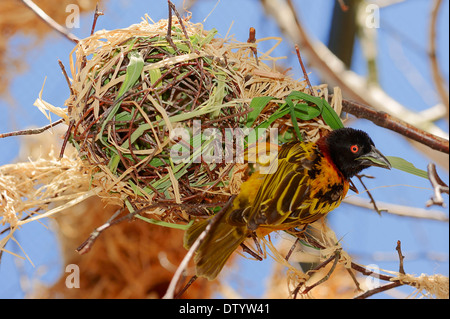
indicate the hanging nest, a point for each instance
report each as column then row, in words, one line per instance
column 134, row 89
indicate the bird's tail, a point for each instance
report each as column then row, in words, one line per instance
column 217, row 246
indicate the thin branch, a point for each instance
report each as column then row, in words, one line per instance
column 399, row 210
column 52, row 23
column 371, row 273
column 395, row 124
column 379, row 289
column 63, row 69
column 400, row 257
column 305, row 74
column 332, row 69
column 436, row 74
column 96, row 15
column 170, row 293
column 31, row 131
column 393, row 281
column 66, row 138
column 372, row 200
column 336, row 256
column 252, row 39
column 439, row 187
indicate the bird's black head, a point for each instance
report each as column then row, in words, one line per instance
column 352, row 151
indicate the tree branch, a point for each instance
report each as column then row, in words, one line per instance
column 435, row 71
column 400, row 210
column 52, row 23
column 393, row 123
column 439, row 187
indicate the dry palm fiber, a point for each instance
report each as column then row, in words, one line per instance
column 17, row 18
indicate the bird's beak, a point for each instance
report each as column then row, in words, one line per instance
column 374, row 158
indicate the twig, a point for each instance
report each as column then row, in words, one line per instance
column 169, row 28
column 437, row 77
column 355, row 281
column 305, row 74
column 88, row 243
column 252, row 39
column 335, row 257
column 182, row 291
column 399, row 210
column 439, row 187
column 173, row 8
column 292, row 249
column 372, row 200
column 52, row 23
column 176, row 277
column 400, row 257
column 63, row 69
column 394, row 282
column 383, row 119
column 66, row 138
column 334, row 71
column 96, row 15
column 31, row 131
column 379, row 289
column 371, row 273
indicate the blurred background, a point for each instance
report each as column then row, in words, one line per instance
column 394, row 55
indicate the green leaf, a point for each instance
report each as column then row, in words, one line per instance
column 134, row 69
column 113, row 163
column 155, row 75
column 403, row 165
column 330, row 116
column 165, row 224
column 297, row 95
column 306, row 112
column 275, row 116
column 211, row 34
column 158, row 222
column 294, row 118
column 257, row 104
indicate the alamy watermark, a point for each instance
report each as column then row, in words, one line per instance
column 73, row 18
column 230, row 145
column 73, row 277
column 372, row 20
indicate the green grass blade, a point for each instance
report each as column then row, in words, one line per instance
column 257, row 104
column 330, row 116
column 133, row 72
column 134, row 69
column 403, row 165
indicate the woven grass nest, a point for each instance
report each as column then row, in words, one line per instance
column 132, row 91
column 134, row 88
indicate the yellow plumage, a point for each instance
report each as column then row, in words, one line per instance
column 305, row 187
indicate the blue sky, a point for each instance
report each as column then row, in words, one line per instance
column 363, row 232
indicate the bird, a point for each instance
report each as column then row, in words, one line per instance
column 311, row 179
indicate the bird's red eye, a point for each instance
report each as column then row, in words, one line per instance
column 354, row 148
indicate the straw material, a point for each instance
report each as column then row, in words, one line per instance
column 127, row 137
column 108, row 169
